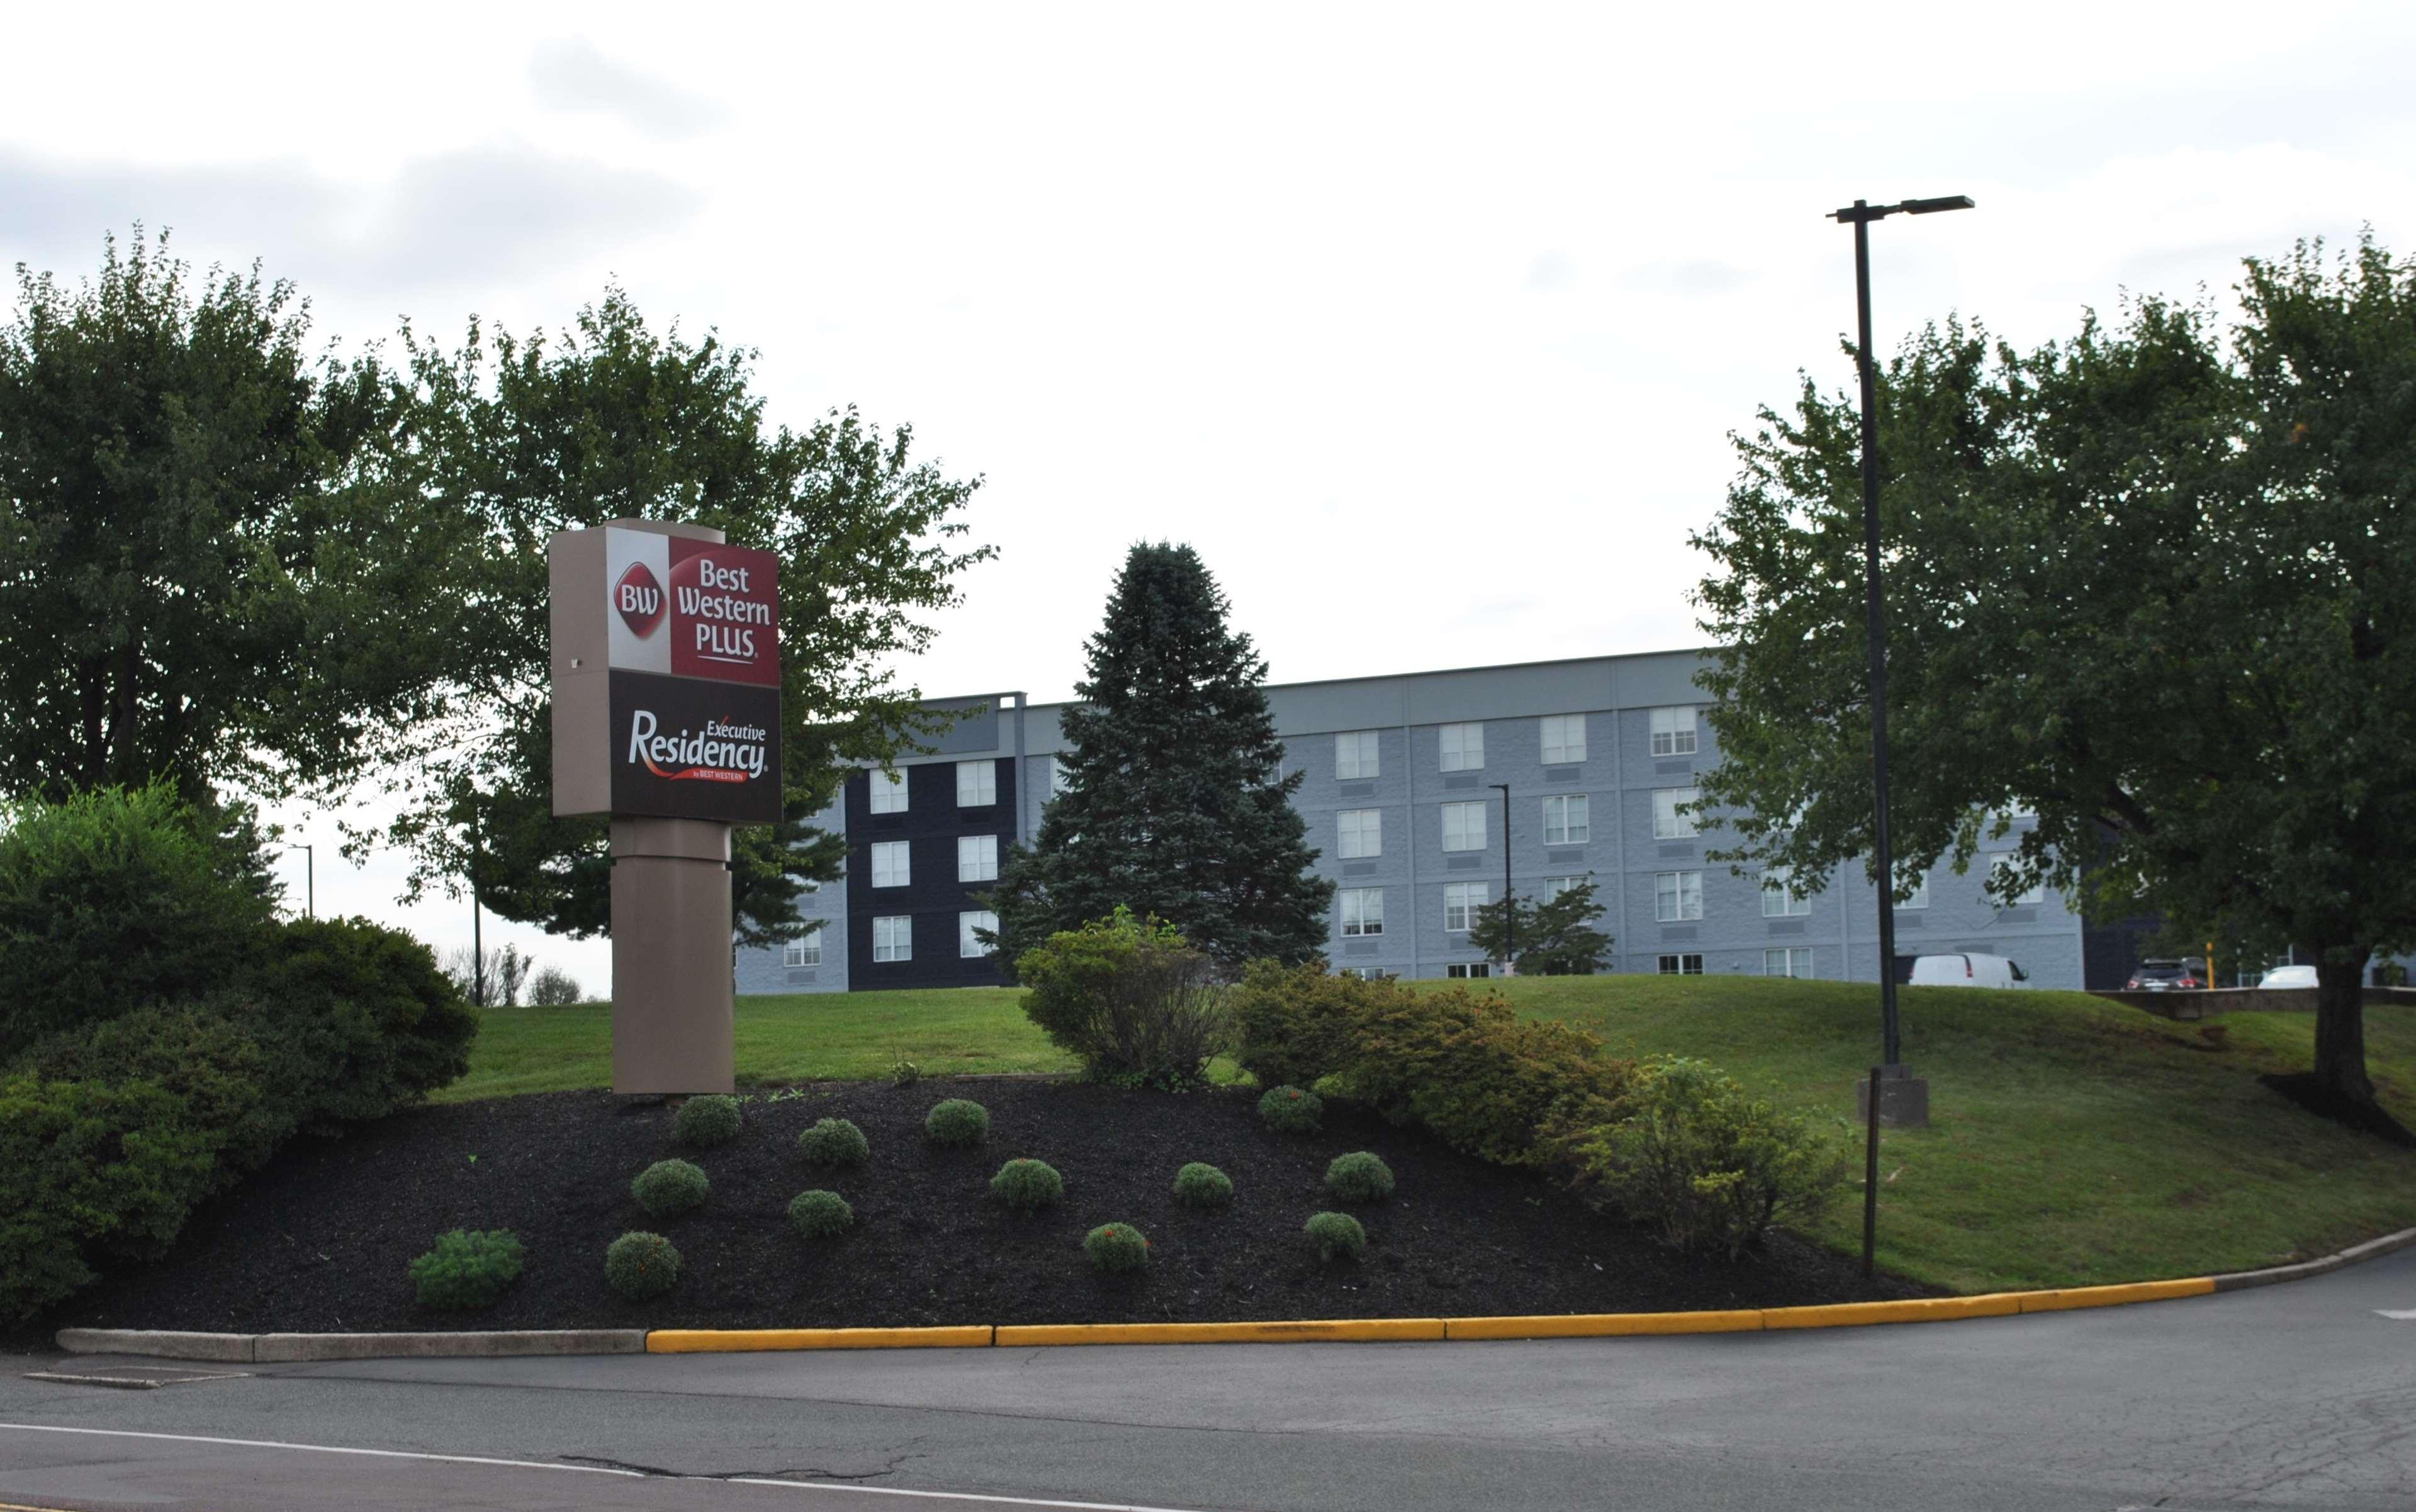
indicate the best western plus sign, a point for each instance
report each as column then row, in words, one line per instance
column 692, row 609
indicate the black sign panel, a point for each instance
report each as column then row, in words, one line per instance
column 686, row 748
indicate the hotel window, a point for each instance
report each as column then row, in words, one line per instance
column 1463, row 748
column 976, row 858
column 1796, row 960
column 1673, row 731
column 977, row 784
column 1779, row 898
column 893, row 938
column 1363, row 911
column 2002, row 864
column 1686, row 966
column 1463, row 826
column 891, row 865
column 1460, row 901
column 1460, row 970
column 1668, row 824
column 1555, row 887
column 1355, row 755
column 1566, row 820
column 1362, row 832
column 889, row 792
column 1920, row 898
column 969, row 945
column 1677, row 896
column 1564, row 739
column 804, row 952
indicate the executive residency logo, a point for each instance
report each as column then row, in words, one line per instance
column 639, row 599
column 719, row 751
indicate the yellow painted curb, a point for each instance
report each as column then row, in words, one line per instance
column 1353, row 1330
column 1918, row 1310
column 2108, row 1296
column 1603, row 1324
column 732, row 1341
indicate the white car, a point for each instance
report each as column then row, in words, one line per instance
column 1967, row 971
column 2288, row 976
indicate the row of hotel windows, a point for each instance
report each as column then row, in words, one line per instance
column 1794, row 961
column 893, row 939
column 1461, row 746
column 1568, row 820
column 976, row 787
column 892, row 863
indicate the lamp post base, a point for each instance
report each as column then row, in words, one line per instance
column 1903, row 1098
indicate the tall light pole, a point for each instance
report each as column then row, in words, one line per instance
column 1509, row 905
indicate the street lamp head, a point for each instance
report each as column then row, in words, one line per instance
column 1949, row 201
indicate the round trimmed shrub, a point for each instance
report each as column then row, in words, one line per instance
column 1290, row 1111
column 467, row 1270
column 818, row 1215
column 670, row 1186
column 639, row 1265
column 1116, row 1247
column 1027, row 1185
column 958, row 1124
column 702, row 1123
column 1201, row 1184
column 835, row 1142
column 1359, row 1178
column 1336, row 1236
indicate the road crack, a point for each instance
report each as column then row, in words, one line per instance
column 784, row 1473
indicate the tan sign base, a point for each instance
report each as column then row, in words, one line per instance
column 672, row 984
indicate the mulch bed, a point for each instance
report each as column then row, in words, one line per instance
column 319, row 1240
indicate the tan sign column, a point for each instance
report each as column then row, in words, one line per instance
column 666, row 716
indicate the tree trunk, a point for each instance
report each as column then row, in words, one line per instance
column 2340, row 1025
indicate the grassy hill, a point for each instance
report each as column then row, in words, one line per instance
column 2072, row 1141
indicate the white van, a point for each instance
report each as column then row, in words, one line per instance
column 1967, row 971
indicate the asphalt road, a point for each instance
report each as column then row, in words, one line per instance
column 2300, row 1395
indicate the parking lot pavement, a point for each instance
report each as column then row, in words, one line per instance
column 2291, row 1395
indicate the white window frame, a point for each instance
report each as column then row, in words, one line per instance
column 900, row 943
column 1554, row 887
column 1784, row 957
column 1920, row 898
column 795, row 954
column 1359, row 833
column 1672, row 902
column 2031, row 899
column 1779, row 898
column 1676, row 965
column 976, row 858
column 892, row 863
column 888, row 790
column 1460, row 901
column 1667, row 822
column 1464, row 822
column 1357, row 756
column 1564, row 733
column 1461, row 746
column 969, row 948
column 1362, row 912
column 977, row 784
column 1673, row 730
column 1575, row 820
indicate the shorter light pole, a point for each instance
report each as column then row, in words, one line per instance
column 309, row 881
column 1509, row 903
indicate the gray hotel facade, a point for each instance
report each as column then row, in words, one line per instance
column 1400, row 800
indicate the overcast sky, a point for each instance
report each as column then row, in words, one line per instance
column 1425, row 325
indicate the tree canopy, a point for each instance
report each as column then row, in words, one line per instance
column 1173, row 804
column 1555, row 936
column 2151, row 581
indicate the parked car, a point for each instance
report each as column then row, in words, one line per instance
column 2288, row 976
column 1967, row 971
column 2187, row 972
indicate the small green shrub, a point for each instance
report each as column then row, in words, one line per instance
column 1130, row 997
column 1359, row 1178
column 958, row 1124
column 702, row 1123
column 1336, row 1236
column 1200, row 1185
column 1027, row 1185
column 467, row 1269
column 1290, row 1111
column 835, row 1142
column 1705, row 1162
column 905, row 1074
column 668, row 1188
column 639, row 1265
column 818, row 1215
column 1116, row 1247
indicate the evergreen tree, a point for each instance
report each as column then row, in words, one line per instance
column 1555, row 937
column 1172, row 806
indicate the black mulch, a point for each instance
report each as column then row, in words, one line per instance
column 320, row 1239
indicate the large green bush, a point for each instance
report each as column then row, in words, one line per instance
column 467, row 1269
column 113, row 899
column 1129, row 998
column 366, row 1000
column 1708, row 1164
column 1467, row 1068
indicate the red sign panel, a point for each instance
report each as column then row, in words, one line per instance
column 725, row 613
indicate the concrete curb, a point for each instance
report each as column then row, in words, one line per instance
column 282, row 1348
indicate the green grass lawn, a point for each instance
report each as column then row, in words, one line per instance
column 2072, row 1141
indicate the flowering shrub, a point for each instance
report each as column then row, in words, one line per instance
column 835, row 1142
column 1336, row 1236
column 1199, row 1185
column 1290, row 1111
column 1116, row 1247
column 818, row 1215
column 1027, row 1185
column 702, row 1123
column 639, row 1265
column 957, row 1123
column 467, row 1270
column 1359, row 1178
column 670, row 1186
